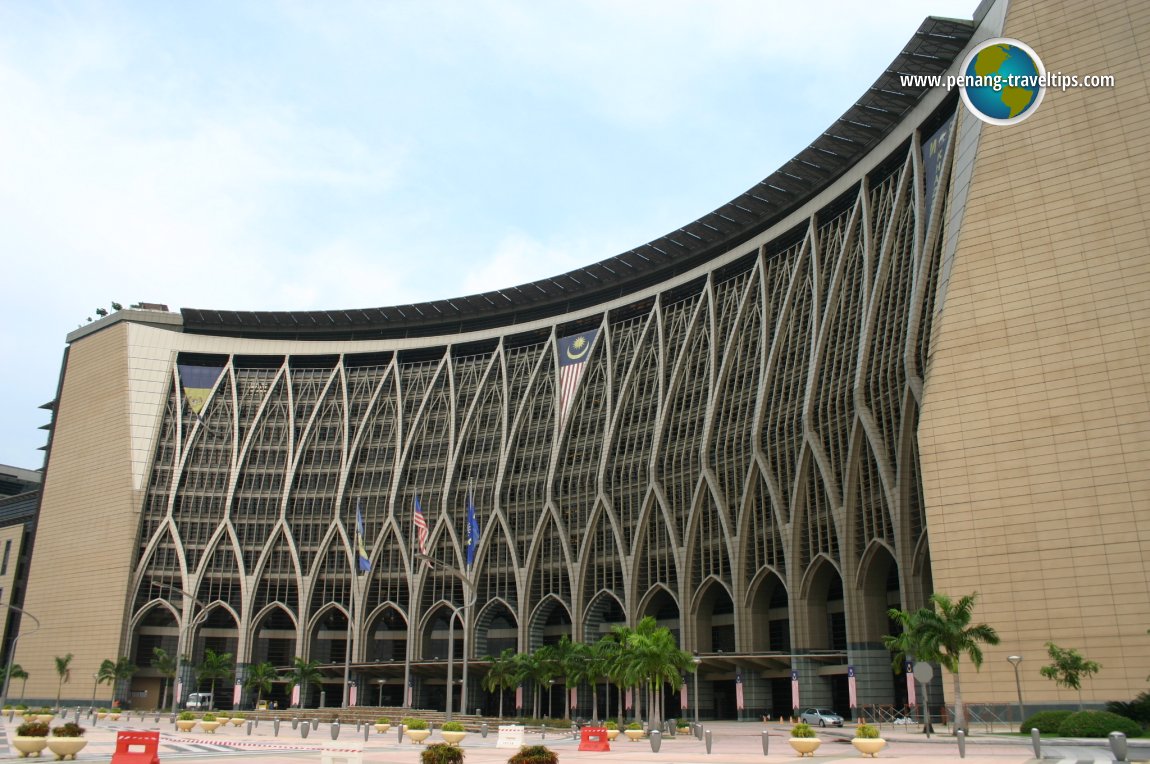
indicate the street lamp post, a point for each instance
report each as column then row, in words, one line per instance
column 381, row 683
column 95, row 684
column 1014, row 661
column 698, row 662
column 180, row 640
column 550, row 692
column 12, row 650
column 469, row 589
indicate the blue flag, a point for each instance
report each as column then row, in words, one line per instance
column 472, row 530
column 363, row 564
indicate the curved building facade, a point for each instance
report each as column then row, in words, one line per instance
column 761, row 429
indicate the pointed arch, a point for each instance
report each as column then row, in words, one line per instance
column 548, row 623
column 713, row 612
column 273, row 635
column 769, row 612
column 496, row 628
column 604, row 613
column 385, row 639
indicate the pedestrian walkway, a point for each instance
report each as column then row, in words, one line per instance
column 732, row 743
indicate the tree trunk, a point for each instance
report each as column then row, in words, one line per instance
column 501, row 689
column 959, row 709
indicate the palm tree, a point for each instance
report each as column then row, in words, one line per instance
column 166, row 665
column 302, row 674
column 655, row 659
column 502, row 675
column 565, row 656
column 617, row 662
column 539, row 668
column 260, row 678
column 62, row 672
column 114, row 672
column 214, row 667
column 599, row 658
column 941, row 632
column 17, row 672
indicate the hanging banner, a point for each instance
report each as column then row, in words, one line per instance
column 574, row 697
column 910, row 699
column 683, row 696
column 352, row 694
column 851, row 689
column 519, row 698
column 795, row 690
column 295, row 695
column 237, row 695
column 739, row 690
column 410, row 692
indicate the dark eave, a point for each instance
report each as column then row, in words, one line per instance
column 931, row 50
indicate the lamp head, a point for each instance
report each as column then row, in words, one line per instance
column 1014, row 660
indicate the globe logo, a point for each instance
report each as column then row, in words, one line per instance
column 1003, row 81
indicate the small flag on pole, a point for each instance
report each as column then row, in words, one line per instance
column 363, row 564
column 472, row 529
column 420, row 526
column 739, row 690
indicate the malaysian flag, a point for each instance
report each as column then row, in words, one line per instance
column 573, row 354
column 739, row 690
column 420, row 527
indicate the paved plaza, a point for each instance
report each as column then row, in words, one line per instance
column 732, row 743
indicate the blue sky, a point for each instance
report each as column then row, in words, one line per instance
column 295, row 155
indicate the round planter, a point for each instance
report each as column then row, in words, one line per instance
column 417, row 736
column 612, row 734
column 223, row 720
column 452, row 737
column 684, row 730
column 44, row 717
column 66, row 747
column 101, row 714
column 381, row 728
column 805, row 746
column 114, row 717
column 238, row 721
column 29, row 745
column 185, row 725
column 868, row 746
column 635, row 735
column 208, row 726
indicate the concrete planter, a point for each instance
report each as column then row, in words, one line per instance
column 452, row 737
column 612, row 734
column 381, row 728
column 635, row 735
column 29, row 745
column 238, row 721
column 185, row 725
column 208, row 726
column 417, row 736
column 868, row 746
column 805, row 746
column 66, row 747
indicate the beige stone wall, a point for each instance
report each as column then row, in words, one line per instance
column 1035, row 432
column 88, row 523
column 12, row 537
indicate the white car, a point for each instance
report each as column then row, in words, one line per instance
column 821, row 717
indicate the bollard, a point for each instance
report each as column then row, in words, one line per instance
column 766, row 743
column 707, row 738
column 656, row 738
column 304, row 730
column 961, row 743
column 250, row 723
column 1034, row 740
column 1118, row 746
column 276, row 727
column 335, row 730
column 295, row 722
column 699, row 731
column 366, row 732
column 483, row 729
column 157, row 719
column 357, row 725
column 399, row 729
column 315, row 724
column 172, row 720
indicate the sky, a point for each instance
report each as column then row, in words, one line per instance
column 283, row 155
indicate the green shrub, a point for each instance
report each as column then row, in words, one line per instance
column 415, row 724
column 802, row 729
column 634, row 726
column 451, row 727
column 71, row 729
column 238, row 715
column 1137, row 709
column 383, row 720
column 208, row 718
column 611, row 724
column 32, row 729
column 1046, row 722
column 186, row 716
column 1098, row 724
column 441, row 753
column 868, row 731
column 534, row 754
